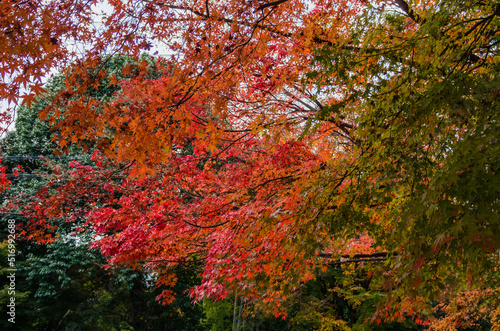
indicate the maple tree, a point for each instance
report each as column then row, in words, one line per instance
column 60, row 282
column 280, row 131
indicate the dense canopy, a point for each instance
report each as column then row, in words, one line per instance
column 274, row 138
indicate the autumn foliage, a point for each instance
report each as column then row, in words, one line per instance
column 275, row 138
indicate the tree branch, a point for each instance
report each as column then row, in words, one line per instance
column 375, row 257
column 270, row 4
column 403, row 5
